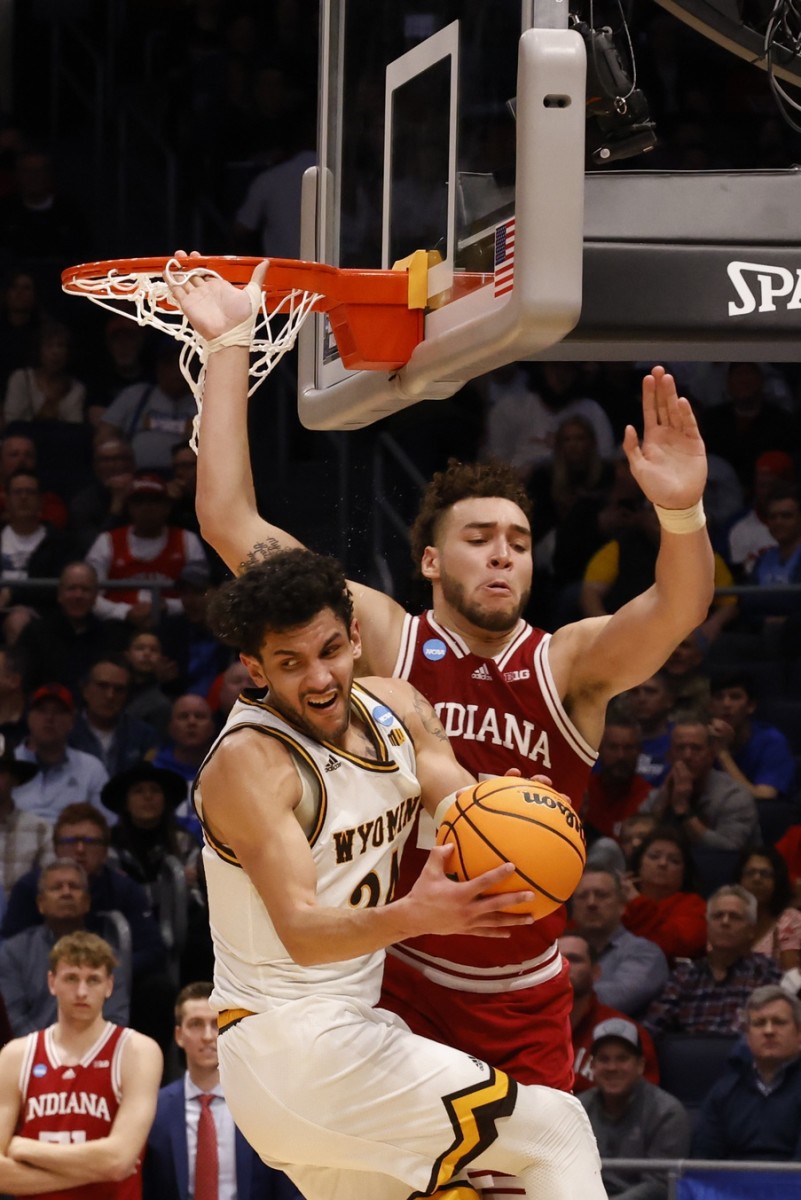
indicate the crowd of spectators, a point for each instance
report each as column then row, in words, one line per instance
column 688, row 919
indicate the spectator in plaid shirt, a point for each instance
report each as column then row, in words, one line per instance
column 709, row 994
column 25, row 838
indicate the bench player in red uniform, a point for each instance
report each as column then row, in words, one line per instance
column 77, row 1099
column 508, row 695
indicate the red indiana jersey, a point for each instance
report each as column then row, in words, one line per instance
column 75, row 1103
column 499, row 713
column 164, row 568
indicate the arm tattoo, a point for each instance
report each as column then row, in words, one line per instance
column 259, row 552
column 430, row 720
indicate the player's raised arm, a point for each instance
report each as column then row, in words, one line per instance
column 226, row 499
column 113, row 1157
column 607, row 655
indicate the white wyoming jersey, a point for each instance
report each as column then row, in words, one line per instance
column 357, row 813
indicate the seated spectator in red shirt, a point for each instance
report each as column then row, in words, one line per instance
column 18, row 452
column 789, row 846
column 660, row 903
column 614, row 789
column 588, row 1012
column 147, row 548
column 709, row 994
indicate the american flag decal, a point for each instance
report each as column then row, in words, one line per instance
column 504, row 257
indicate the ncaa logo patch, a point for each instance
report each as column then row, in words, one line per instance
column 39, row 1070
column 383, row 715
column 434, row 649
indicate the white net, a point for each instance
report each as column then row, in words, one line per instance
column 145, row 297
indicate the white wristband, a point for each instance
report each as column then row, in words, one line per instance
column 241, row 334
column 682, row 520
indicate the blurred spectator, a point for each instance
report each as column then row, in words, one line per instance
column 120, row 361
column 575, row 472
column 650, row 704
column 103, row 727
column 780, row 563
column 18, row 452
column 181, row 487
column 227, row 689
column 15, row 621
column 708, row 995
column 614, row 789
column 62, row 645
column 65, row 776
column 13, row 726
column 36, row 220
column 686, row 673
column 153, row 416
column 20, row 323
column 660, row 902
column 521, row 425
column 29, row 549
column 148, row 548
column 755, row 754
column 709, row 807
column 749, row 535
column 62, row 897
column 187, row 640
column 631, row 970
column 747, row 424
column 47, row 391
column 103, row 503
column 763, row 873
column 630, row 1117
column 588, row 1011
column 82, row 833
column 147, row 700
column 25, row 839
column 190, row 734
column 753, row 1112
column 633, row 832
column 145, row 798
column 268, row 220
column 624, row 568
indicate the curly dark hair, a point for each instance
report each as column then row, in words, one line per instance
column 782, row 888
column 463, row 481
column 282, row 592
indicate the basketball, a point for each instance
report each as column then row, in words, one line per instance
column 516, row 820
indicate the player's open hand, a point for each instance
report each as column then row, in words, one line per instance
column 444, row 905
column 211, row 304
column 670, row 465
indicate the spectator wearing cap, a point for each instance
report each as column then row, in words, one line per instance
column 25, row 839
column 153, row 416
column 147, row 548
column 82, row 833
column 103, row 727
column 62, row 899
column 749, row 535
column 753, row 1112
column 64, row 776
column 631, row 1117
column 708, row 994
column 186, row 639
column 62, row 645
column 588, row 1011
column 145, row 798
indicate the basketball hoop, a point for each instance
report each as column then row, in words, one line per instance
column 373, row 318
